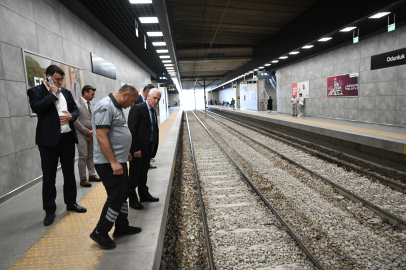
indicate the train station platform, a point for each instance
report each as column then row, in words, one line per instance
column 381, row 141
column 27, row 244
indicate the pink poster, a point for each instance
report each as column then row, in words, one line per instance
column 343, row 85
column 294, row 89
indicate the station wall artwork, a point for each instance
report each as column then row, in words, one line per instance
column 343, row 85
column 301, row 87
column 35, row 66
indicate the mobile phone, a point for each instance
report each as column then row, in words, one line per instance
column 50, row 81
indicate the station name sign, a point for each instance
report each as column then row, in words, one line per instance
column 389, row 59
column 103, row 67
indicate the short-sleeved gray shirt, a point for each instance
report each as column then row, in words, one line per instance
column 107, row 113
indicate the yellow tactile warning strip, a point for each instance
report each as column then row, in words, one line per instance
column 68, row 245
column 357, row 129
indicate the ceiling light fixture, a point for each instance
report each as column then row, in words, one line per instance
column 325, row 39
column 379, row 15
column 168, row 65
column 166, row 61
column 261, row 67
column 161, row 51
column 141, row 1
column 148, row 19
column 154, row 34
column 307, row 46
column 283, row 57
column 159, row 43
column 275, row 61
column 267, row 65
column 294, row 52
column 164, row 56
column 251, row 71
column 348, row 29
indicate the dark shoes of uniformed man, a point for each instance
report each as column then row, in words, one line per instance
column 50, row 217
column 104, row 240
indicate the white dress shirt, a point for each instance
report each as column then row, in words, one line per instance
column 61, row 105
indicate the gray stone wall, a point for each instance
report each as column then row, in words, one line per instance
column 50, row 29
column 382, row 92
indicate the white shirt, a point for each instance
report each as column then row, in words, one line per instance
column 301, row 101
column 84, row 100
column 294, row 101
column 61, row 105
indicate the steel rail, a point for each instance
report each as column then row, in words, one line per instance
column 392, row 219
column 201, row 203
column 310, row 255
column 392, row 184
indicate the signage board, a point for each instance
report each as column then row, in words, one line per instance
column 103, row 67
column 355, row 40
column 264, row 74
column 301, row 88
column 163, row 78
column 343, row 85
column 389, row 59
column 391, row 27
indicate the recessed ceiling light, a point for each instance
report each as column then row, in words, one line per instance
column 148, row 19
column 247, row 73
column 294, row 52
column 168, row 65
column 166, row 61
column 154, row 34
column 347, row 29
column 251, row 71
column 275, row 61
column 141, row 1
column 307, row 46
column 261, row 67
column 159, row 43
column 267, row 65
column 161, row 51
column 379, row 15
column 283, row 57
column 256, row 69
column 164, row 56
column 325, row 39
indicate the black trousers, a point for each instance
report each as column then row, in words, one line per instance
column 65, row 151
column 139, row 175
column 115, row 210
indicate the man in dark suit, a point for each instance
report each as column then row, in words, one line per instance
column 143, row 125
column 56, row 138
column 144, row 94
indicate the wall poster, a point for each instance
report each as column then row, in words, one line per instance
column 301, row 88
column 343, row 85
column 35, row 66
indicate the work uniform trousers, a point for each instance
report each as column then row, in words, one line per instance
column 115, row 210
column 85, row 149
column 139, row 175
column 65, row 151
column 294, row 109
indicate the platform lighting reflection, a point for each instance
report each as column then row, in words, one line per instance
column 164, row 56
column 267, row 65
column 154, row 34
column 161, row 51
column 283, row 57
column 307, row 46
column 325, row 39
column 148, row 19
column 275, row 61
column 379, row 15
column 348, row 29
column 294, row 52
column 166, row 61
column 141, row 1
column 160, row 43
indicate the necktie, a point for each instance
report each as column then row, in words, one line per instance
column 88, row 107
column 154, row 128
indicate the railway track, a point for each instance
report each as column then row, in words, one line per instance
column 320, row 217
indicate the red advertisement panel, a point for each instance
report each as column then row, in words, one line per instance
column 343, row 85
column 294, row 89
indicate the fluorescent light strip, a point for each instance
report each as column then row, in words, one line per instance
column 168, row 65
column 141, row 1
column 283, row 57
column 267, row 65
column 325, row 39
column 261, row 67
column 166, row 61
column 275, row 61
column 161, row 51
column 294, row 52
column 159, row 43
column 164, row 56
column 256, row 69
column 148, row 19
column 379, row 15
column 348, row 29
column 307, row 46
column 154, row 34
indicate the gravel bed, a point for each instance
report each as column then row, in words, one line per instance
column 381, row 195
column 329, row 223
column 243, row 231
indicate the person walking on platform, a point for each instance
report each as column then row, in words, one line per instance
column 232, row 104
column 85, row 136
column 293, row 100
column 301, row 104
column 270, row 104
column 142, row 122
column 111, row 153
column 56, row 138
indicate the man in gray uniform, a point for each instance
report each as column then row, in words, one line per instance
column 110, row 156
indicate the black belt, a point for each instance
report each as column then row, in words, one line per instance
column 65, row 134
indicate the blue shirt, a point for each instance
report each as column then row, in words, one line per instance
column 150, row 117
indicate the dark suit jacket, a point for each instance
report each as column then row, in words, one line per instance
column 49, row 125
column 139, row 124
column 139, row 100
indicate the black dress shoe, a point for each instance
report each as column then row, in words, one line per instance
column 151, row 167
column 126, row 231
column 136, row 205
column 76, row 208
column 103, row 240
column 49, row 219
column 149, row 199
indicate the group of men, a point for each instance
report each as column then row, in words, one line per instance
column 295, row 101
column 105, row 144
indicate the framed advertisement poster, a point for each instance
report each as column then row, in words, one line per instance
column 35, row 66
column 301, row 88
column 343, row 85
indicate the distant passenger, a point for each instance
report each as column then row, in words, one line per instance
column 56, row 138
column 270, row 104
column 215, row 102
column 293, row 100
column 232, row 104
column 111, row 153
column 144, row 94
column 85, row 136
column 301, row 104
column 211, row 102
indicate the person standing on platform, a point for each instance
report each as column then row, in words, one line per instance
column 270, row 104
column 143, row 124
column 56, row 138
column 232, row 103
column 111, row 153
column 301, row 104
column 293, row 100
column 85, row 136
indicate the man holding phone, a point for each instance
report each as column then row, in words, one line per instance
column 56, row 138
